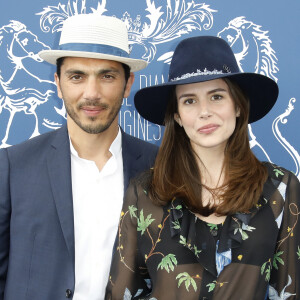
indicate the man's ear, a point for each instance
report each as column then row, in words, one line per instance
column 177, row 119
column 59, row 93
column 129, row 85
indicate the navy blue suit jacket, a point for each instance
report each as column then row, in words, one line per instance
column 37, row 258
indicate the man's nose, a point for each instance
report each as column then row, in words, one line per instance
column 92, row 89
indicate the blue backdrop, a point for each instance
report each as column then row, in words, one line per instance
column 263, row 35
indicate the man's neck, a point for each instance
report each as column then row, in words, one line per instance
column 94, row 147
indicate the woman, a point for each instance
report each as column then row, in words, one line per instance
column 209, row 221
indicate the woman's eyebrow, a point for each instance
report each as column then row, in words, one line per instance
column 186, row 95
column 217, row 90
column 209, row 92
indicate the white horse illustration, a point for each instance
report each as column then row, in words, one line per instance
column 245, row 37
column 18, row 51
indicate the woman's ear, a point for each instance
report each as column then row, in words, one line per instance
column 177, row 119
column 238, row 112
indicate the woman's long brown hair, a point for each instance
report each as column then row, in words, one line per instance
column 176, row 172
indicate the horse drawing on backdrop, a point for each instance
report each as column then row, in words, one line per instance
column 252, row 48
column 163, row 24
column 245, row 37
column 18, row 51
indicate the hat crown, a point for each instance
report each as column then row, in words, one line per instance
column 95, row 29
column 205, row 55
column 94, row 36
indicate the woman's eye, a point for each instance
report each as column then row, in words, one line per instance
column 216, row 97
column 189, row 101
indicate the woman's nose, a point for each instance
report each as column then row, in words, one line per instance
column 204, row 110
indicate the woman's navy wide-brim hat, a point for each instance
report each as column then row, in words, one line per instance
column 200, row 59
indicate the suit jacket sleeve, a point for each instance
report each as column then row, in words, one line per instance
column 5, row 211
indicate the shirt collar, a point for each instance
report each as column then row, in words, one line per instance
column 115, row 147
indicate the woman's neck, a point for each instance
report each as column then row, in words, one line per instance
column 211, row 166
column 212, row 170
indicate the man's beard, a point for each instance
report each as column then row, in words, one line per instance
column 94, row 128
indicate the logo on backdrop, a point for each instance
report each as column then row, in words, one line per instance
column 148, row 30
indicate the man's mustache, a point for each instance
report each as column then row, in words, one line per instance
column 93, row 103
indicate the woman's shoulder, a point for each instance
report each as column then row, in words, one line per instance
column 140, row 185
column 281, row 178
column 277, row 172
column 139, row 192
column 143, row 180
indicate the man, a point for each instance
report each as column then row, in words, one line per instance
column 61, row 193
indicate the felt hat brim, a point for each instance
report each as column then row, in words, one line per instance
column 151, row 102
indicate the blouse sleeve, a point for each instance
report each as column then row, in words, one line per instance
column 285, row 275
column 126, row 280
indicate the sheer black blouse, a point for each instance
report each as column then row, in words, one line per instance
column 167, row 253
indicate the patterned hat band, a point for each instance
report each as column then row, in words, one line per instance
column 205, row 72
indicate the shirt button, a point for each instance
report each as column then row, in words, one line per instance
column 214, row 232
column 68, row 293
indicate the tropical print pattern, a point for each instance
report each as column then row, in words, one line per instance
column 167, row 253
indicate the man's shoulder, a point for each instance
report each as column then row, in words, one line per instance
column 134, row 142
column 37, row 144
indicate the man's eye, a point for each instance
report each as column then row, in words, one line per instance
column 76, row 77
column 108, row 76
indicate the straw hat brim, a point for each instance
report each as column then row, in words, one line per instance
column 51, row 56
column 262, row 92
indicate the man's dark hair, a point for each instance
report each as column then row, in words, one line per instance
column 60, row 61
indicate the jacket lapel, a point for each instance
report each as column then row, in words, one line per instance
column 59, row 166
column 130, row 155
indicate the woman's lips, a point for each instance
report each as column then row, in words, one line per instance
column 208, row 128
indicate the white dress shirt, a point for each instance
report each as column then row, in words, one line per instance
column 97, row 201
